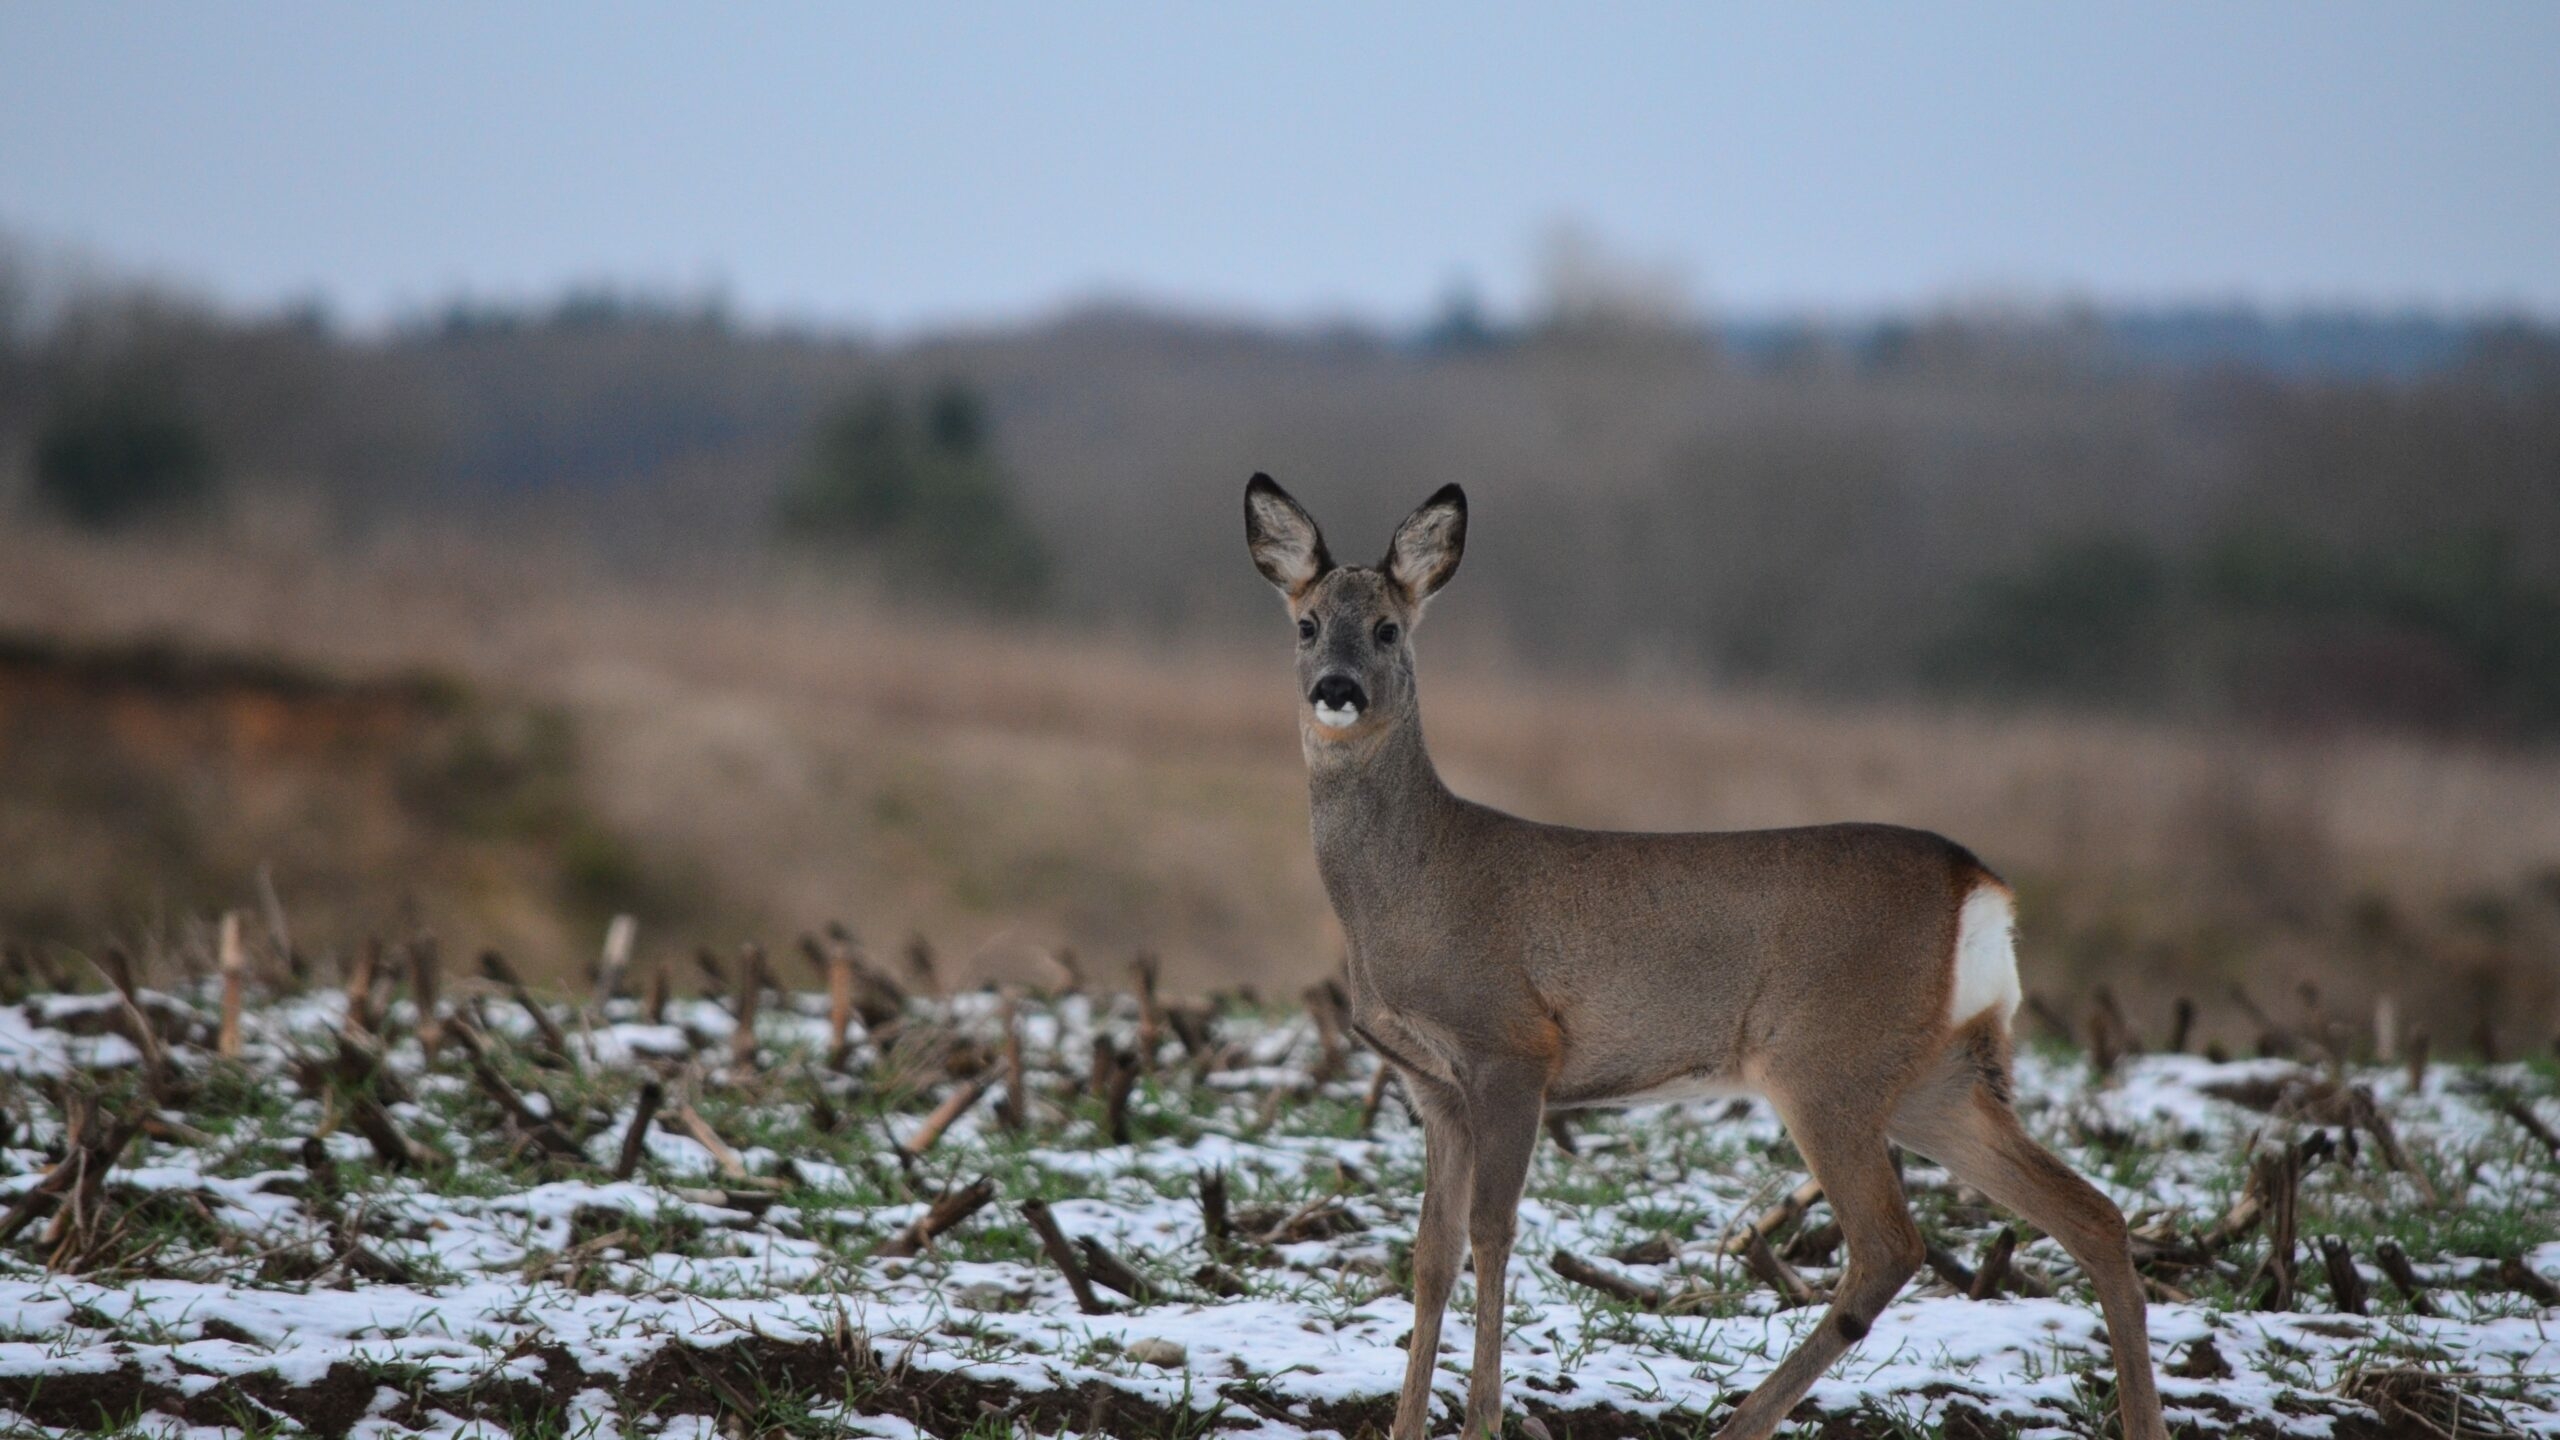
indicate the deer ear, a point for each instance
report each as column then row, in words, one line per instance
column 1287, row 547
column 1425, row 552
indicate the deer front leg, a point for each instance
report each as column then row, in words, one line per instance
column 1504, row 1105
column 1448, row 1169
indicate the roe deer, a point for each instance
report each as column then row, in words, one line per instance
column 1860, row 977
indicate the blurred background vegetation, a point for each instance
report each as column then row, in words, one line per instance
column 919, row 496
column 2232, row 638
column 2303, row 521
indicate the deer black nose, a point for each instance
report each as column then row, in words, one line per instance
column 1339, row 692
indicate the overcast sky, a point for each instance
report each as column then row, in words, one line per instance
column 893, row 165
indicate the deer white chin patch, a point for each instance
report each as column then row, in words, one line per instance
column 1336, row 717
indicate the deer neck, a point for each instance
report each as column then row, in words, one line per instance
column 1378, row 808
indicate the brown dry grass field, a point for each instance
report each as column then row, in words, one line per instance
column 760, row 754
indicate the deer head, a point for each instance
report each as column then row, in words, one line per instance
column 1354, row 622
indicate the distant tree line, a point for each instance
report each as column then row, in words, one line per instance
column 2013, row 505
column 2391, row 552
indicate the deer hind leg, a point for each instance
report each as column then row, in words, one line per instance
column 1963, row 1121
column 1845, row 1148
column 1438, row 1241
column 1504, row 1104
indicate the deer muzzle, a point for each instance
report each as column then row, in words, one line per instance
column 1338, row 700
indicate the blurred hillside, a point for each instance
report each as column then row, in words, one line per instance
column 144, row 783
column 2307, row 520
column 2234, row 641
column 507, row 745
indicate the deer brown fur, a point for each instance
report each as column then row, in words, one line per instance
column 1857, row 976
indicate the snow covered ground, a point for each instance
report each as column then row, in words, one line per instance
column 251, row 1266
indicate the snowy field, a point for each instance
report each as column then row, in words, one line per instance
column 342, row 1237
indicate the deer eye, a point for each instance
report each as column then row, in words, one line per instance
column 1306, row 628
column 1388, row 630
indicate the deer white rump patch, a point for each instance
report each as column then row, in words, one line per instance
column 1335, row 717
column 1986, row 956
